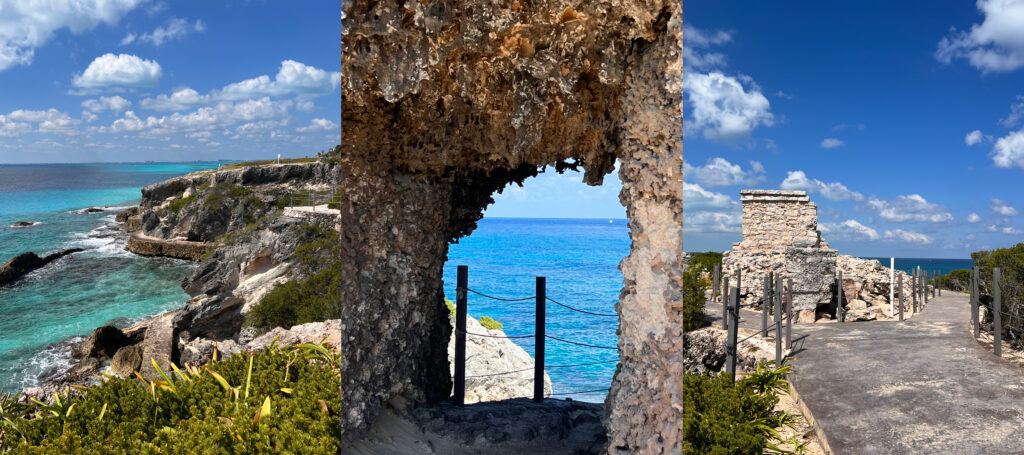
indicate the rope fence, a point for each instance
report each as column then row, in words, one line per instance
column 539, row 336
column 994, row 309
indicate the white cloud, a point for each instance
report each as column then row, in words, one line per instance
column 114, row 103
column 119, row 70
column 835, row 191
column 48, row 121
column 1001, row 207
column 900, row 235
column 707, row 211
column 911, row 207
column 724, row 110
column 221, row 115
column 843, row 126
column 720, row 172
column 319, row 124
column 28, row 24
column 973, row 218
column 831, row 142
column 973, row 137
column 293, row 77
column 1016, row 113
column 1011, row 231
column 990, row 228
column 1009, row 151
column 11, row 128
column 850, row 229
column 696, row 41
column 174, row 29
column 997, row 44
column 180, row 100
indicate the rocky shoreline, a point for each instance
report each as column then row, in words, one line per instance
column 26, row 263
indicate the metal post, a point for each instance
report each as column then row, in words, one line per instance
column 997, row 316
column 715, row 282
column 778, row 321
column 901, row 298
column 730, row 346
column 789, row 314
column 892, row 289
column 766, row 301
column 924, row 285
column 913, row 291
column 538, row 350
column 725, row 305
column 938, row 286
column 839, row 301
column 975, row 309
column 462, row 283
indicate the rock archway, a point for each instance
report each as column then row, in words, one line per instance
column 445, row 102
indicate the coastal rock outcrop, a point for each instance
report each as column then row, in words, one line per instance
column 445, row 104
column 21, row 224
column 866, row 289
column 26, row 263
column 706, row 351
column 490, row 356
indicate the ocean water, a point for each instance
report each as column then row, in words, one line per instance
column 104, row 284
column 943, row 266
column 580, row 259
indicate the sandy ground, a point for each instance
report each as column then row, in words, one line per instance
column 803, row 429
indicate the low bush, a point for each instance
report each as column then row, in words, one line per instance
column 490, row 323
column 281, row 400
column 694, row 300
column 1010, row 261
column 956, row 280
column 721, row 418
column 246, row 164
column 705, row 261
column 179, row 203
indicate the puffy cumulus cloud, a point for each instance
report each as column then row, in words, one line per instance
column 1016, row 113
column 1009, row 150
column 723, row 109
column 1003, row 208
column 119, row 70
column 1010, row 230
column 835, row 191
column 180, row 100
column 175, row 28
column 850, row 229
column 899, row 235
column 973, row 137
column 991, row 228
column 720, row 172
column 48, row 121
column 221, row 115
column 292, row 77
column 28, row 24
column 11, row 128
column 707, row 211
column 973, row 218
column 910, row 208
column 319, row 124
column 114, row 103
column 997, row 44
column 831, row 143
column 695, row 45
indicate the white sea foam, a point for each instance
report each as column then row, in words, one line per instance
column 53, row 358
column 106, row 239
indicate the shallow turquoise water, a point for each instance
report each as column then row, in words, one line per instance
column 942, row 266
column 78, row 293
column 580, row 260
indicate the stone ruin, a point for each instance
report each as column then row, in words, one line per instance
column 780, row 236
column 446, row 102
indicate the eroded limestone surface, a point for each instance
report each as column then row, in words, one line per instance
column 446, row 102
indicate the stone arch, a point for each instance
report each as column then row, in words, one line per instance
column 442, row 105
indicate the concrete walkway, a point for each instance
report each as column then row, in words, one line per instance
column 922, row 386
column 749, row 319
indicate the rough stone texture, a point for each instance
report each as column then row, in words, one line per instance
column 445, row 103
column 517, row 426
column 159, row 345
column 488, row 356
column 705, row 351
column 866, row 289
column 26, row 263
column 102, row 342
column 126, row 360
column 813, row 273
column 179, row 249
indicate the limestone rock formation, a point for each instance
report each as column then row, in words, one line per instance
column 706, row 351
column 866, row 289
column 445, row 103
column 489, row 356
column 26, row 263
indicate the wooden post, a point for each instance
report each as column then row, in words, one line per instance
column 766, row 301
column 461, row 284
column 913, row 291
column 924, row 286
column 778, row 321
column 997, row 314
column 716, row 276
column 538, row 350
column 730, row 345
column 789, row 314
column 725, row 305
column 938, row 285
column 901, row 298
column 839, row 300
column 975, row 308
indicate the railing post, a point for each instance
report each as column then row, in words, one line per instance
column 778, row 321
column 725, row 305
column 839, row 300
column 924, row 286
column 975, row 308
column 892, row 288
column 766, row 301
column 717, row 275
column 938, row 285
column 538, row 351
column 997, row 314
column 730, row 345
column 913, row 290
column 901, row 298
column 462, row 283
column 789, row 314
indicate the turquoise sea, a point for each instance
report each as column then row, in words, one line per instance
column 580, row 259
column 942, row 266
column 102, row 285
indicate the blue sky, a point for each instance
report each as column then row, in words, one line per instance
column 138, row 80
column 905, row 123
column 554, row 195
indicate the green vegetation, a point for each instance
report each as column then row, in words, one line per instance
column 490, row 323
column 720, row 417
column 1011, row 264
column 694, row 300
column 705, row 261
column 317, row 296
column 246, row 164
column 451, row 307
column 281, row 400
column 956, row 280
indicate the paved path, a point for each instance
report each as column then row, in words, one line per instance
column 922, row 386
column 749, row 319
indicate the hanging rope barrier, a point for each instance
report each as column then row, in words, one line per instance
column 580, row 344
column 501, row 299
column 581, row 311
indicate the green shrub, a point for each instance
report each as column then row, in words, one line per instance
column 705, row 261
column 1011, row 264
column 956, row 280
column 314, row 298
column 224, row 193
column 287, row 404
column 265, row 162
column 490, row 323
column 451, row 307
column 693, row 300
column 179, row 203
column 720, row 417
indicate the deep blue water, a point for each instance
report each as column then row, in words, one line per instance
column 80, row 292
column 579, row 258
column 942, row 266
